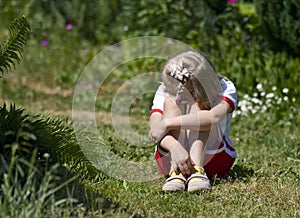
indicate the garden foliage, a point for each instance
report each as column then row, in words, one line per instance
column 280, row 22
column 67, row 34
column 230, row 34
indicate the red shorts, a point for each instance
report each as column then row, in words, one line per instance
column 217, row 164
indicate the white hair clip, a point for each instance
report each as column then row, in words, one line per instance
column 180, row 75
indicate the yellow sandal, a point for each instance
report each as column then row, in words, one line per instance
column 198, row 181
column 176, row 182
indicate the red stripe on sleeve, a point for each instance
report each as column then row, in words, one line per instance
column 156, row 110
column 229, row 101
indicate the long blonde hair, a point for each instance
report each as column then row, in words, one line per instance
column 190, row 72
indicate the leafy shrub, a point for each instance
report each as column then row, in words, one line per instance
column 280, row 20
column 175, row 19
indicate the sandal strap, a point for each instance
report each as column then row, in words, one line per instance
column 198, row 176
column 176, row 177
column 199, row 170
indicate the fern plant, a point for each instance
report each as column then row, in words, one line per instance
column 11, row 50
column 54, row 136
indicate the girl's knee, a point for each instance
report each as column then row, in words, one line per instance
column 169, row 103
column 171, row 108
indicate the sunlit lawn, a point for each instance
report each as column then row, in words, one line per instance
column 264, row 181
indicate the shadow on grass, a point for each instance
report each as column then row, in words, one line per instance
column 237, row 173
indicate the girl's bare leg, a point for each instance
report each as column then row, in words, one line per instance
column 197, row 141
column 175, row 141
column 197, row 146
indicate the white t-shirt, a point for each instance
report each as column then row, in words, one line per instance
column 222, row 140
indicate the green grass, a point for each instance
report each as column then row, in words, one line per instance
column 264, row 182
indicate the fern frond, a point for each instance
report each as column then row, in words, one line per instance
column 48, row 134
column 11, row 50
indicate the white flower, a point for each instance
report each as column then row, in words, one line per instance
column 254, row 110
column 46, row 155
column 285, row 98
column 269, row 102
column 259, row 86
column 235, row 113
column 274, row 88
column 242, row 103
column 246, row 96
column 256, row 101
column 279, row 100
column 285, row 90
column 270, row 95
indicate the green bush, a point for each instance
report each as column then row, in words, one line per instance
column 181, row 20
column 280, row 20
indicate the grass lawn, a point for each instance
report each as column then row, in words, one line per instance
column 264, row 182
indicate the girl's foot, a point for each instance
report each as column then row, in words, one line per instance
column 198, row 181
column 176, row 182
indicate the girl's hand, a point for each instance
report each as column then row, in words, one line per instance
column 181, row 160
column 158, row 131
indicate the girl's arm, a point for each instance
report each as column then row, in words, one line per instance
column 157, row 127
column 202, row 120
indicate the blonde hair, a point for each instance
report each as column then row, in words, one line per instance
column 201, row 82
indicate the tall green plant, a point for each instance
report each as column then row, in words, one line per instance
column 11, row 50
column 30, row 192
column 280, row 20
column 48, row 135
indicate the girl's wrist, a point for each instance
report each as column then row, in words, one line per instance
column 168, row 124
column 172, row 123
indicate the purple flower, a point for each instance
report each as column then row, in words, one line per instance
column 69, row 26
column 231, row 1
column 44, row 42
